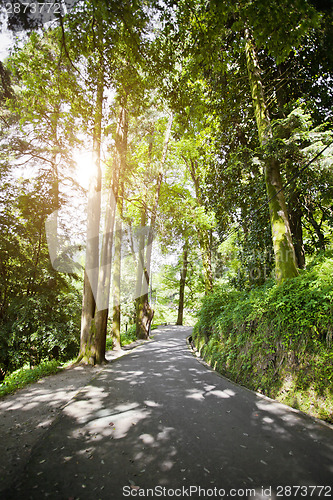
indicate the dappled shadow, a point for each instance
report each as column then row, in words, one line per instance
column 158, row 417
column 26, row 415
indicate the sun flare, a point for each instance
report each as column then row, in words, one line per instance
column 84, row 168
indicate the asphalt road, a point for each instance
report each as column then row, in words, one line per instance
column 157, row 423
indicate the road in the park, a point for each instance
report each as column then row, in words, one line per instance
column 157, row 423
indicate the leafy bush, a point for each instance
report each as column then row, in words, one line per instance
column 129, row 336
column 40, row 327
column 276, row 339
column 126, row 337
column 24, row 376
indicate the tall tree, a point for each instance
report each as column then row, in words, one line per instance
column 101, row 44
column 88, row 348
column 285, row 261
column 144, row 312
column 182, row 285
column 110, row 236
column 121, row 145
column 215, row 29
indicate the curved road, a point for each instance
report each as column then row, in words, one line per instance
column 157, row 423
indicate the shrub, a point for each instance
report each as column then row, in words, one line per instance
column 24, row 376
column 39, row 328
column 276, row 339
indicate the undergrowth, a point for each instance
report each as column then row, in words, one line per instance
column 126, row 337
column 276, row 340
column 24, row 376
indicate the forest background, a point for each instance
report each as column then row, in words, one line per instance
column 170, row 162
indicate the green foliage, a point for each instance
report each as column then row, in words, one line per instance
column 24, row 376
column 276, row 339
column 233, row 184
column 126, row 337
column 40, row 308
column 166, row 283
column 279, row 27
column 164, row 314
column 129, row 336
column 212, row 178
column 40, row 327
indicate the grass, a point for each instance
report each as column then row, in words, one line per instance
column 129, row 336
column 126, row 338
column 24, row 376
column 276, row 340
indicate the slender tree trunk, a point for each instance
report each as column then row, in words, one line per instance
column 141, row 254
column 144, row 315
column 35, row 260
column 295, row 220
column 121, row 144
column 317, row 228
column 203, row 234
column 52, row 222
column 141, row 298
column 144, row 312
column 6, row 84
column 55, row 193
column 103, row 294
column 117, row 276
column 206, row 260
column 157, row 196
column 87, row 352
column 182, row 286
column 285, row 262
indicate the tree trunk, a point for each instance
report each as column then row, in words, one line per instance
column 144, row 316
column 103, row 295
column 87, row 352
column 6, row 91
column 157, row 195
column 206, row 260
column 144, row 312
column 117, row 278
column 295, row 220
column 104, row 279
column 141, row 331
column 182, row 286
column 203, row 234
column 285, row 262
column 52, row 222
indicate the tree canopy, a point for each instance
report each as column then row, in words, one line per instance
column 209, row 128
